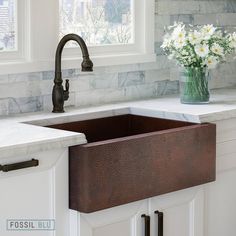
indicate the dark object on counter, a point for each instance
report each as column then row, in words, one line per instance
column 129, row 158
column 59, row 95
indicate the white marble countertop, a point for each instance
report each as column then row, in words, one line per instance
column 24, row 134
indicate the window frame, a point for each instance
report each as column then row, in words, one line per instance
column 18, row 54
column 38, row 41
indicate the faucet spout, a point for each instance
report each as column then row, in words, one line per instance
column 59, row 95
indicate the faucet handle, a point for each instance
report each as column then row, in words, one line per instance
column 66, row 91
column 67, row 85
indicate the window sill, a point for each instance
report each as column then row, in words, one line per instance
column 15, row 67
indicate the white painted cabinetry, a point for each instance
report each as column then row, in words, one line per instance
column 36, row 193
column 123, row 220
column 183, row 216
column 220, row 196
column 182, row 210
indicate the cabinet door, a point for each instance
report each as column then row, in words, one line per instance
column 123, row 220
column 32, row 195
column 183, row 213
column 221, row 205
column 221, row 195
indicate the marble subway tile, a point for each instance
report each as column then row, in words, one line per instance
column 166, row 7
column 68, row 73
column 167, row 87
column 3, row 79
column 142, row 91
column 26, row 104
column 4, row 107
column 47, row 103
column 185, row 18
column 217, row 76
column 157, row 75
column 20, row 89
column 25, row 77
column 231, row 6
column 209, row 7
column 162, row 21
column 225, row 19
column 99, row 96
column 48, row 75
column 46, row 87
column 158, row 50
column 103, row 81
column 131, row 78
column 82, row 83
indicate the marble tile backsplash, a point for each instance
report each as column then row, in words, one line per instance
column 31, row 92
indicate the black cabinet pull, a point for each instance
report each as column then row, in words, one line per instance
column 160, row 216
column 19, row 165
column 147, row 224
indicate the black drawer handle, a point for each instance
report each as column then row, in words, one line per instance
column 147, row 224
column 160, row 216
column 19, row 165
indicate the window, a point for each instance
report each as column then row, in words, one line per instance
column 116, row 32
column 13, row 26
column 99, row 22
column 7, row 25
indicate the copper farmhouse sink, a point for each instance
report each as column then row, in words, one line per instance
column 129, row 158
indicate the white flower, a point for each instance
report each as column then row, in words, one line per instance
column 167, row 41
column 217, row 49
column 211, row 62
column 195, row 37
column 202, row 50
column 208, row 31
column 204, row 45
column 180, row 43
column 179, row 33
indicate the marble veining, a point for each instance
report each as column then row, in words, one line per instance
column 24, row 134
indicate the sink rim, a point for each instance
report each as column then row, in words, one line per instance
column 137, row 136
column 128, row 120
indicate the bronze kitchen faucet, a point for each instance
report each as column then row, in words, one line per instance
column 59, row 95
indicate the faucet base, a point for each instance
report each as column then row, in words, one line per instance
column 57, row 111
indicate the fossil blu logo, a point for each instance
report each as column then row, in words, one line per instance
column 30, row 224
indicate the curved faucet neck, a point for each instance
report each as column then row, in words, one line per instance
column 64, row 40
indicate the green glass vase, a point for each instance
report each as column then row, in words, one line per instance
column 194, row 85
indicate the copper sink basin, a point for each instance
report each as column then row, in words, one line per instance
column 129, row 158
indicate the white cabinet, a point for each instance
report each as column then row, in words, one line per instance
column 123, row 220
column 183, row 216
column 183, row 213
column 36, row 193
column 220, row 207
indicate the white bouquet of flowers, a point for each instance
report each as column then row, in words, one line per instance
column 201, row 46
column 197, row 49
